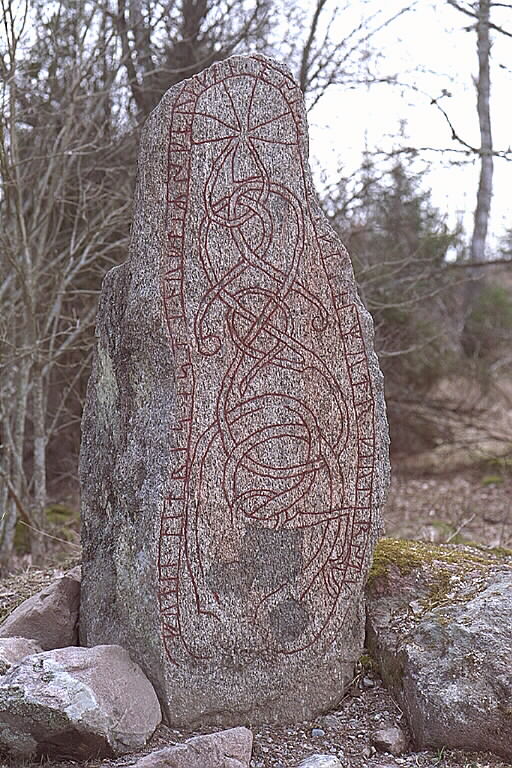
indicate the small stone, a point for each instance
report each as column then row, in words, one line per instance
column 390, row 739
column 330, row 721
column 367, row 682
column 231, row 748
column 366, row 752
column 320, row 761
column 317, row 733
column 416, row 607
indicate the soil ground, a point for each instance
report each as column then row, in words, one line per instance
column 469, row 506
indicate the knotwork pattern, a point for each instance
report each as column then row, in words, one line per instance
column 274, row 435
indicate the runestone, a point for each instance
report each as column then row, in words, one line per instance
column 235, row 446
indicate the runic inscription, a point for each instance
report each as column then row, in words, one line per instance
column 234, row 453
column 285, row 440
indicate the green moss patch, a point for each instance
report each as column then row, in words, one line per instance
column 455, row 574
column 407, row 555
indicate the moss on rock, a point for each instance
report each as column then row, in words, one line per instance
column 407, row 555
column 449, row 574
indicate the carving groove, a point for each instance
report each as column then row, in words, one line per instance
column 256, row 295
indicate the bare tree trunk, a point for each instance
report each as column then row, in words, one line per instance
column 37, row 540
column 12, row 468
column 8, row 513
column 304, row 73
column 483, row 205
column 484, row 196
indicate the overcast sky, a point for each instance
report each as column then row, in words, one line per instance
column 428, row 49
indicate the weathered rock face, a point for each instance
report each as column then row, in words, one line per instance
column 14, row 649
column 78, row 703
column 224, row 749
column 49, row 617
column 440, row 632
column 234, row 452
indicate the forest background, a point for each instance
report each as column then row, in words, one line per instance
column 78, row 78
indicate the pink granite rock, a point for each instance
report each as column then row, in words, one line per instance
column 78, row 703
column 234, row 454
column 14, row 649
column 49, row 617
column 224, row 749
column 389, row 738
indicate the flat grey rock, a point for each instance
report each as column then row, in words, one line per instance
column 77, row 703
column 320, row 761
column 225, row 749
column 448, row 665
column 234, row 455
